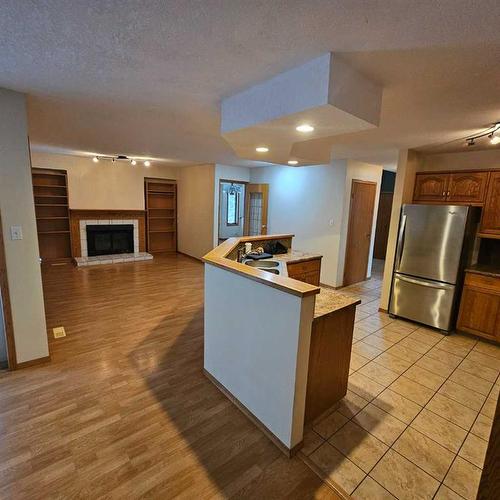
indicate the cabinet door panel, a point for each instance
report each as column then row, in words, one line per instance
column 479, row 312
column 490, row 221
column 467, row 187
column 431, row 187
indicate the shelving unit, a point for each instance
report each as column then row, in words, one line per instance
column 161, row 215
column 50, row 191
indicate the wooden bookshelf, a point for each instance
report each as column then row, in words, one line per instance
column 161, row 215
column 50, row 192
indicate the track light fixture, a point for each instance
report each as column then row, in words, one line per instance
column 492, row 132
column 120, row 158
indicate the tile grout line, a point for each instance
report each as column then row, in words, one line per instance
column 370, row 401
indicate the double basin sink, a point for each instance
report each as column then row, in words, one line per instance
column 264, row 265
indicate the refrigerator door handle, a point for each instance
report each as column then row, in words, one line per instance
column 399, row 251
column 430, row 284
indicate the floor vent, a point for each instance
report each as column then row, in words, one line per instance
column 59, row 332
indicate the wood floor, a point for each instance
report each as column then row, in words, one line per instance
column 123, row 410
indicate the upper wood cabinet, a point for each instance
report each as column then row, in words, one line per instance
column 431, row 187
column 490, row 220
column 467, row 187
column 451, row 187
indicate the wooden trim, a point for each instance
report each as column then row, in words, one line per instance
column 341, row 493
column 289, row 452
column 7, row 310
column 34, row 362
column 382, row 310
column 218, row 257
column 466, row 171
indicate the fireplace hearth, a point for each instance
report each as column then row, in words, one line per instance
column 109, row 239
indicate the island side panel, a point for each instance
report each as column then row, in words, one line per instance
column 255, row 336
column 329, row 360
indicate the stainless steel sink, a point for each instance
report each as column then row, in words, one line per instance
column 262, row 263
column 274, row 271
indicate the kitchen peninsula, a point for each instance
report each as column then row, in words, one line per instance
column 278, row 347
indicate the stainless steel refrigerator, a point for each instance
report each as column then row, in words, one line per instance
column 435, row 242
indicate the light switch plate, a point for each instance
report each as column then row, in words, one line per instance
column 16, row 232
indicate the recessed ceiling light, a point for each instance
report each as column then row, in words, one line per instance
column 133, row 162
column 305, row 127
column 147, row 163
column 292, row 162
column 262, row 149
column 95, row 159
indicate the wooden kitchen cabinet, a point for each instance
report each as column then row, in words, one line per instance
column 490, row 220
column 480, row 306
column 431, row 187
column 466, row 187
column 307, row 271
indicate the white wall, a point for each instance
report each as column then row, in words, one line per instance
column 225, row 172
column 17, row 208
column 303, row 201
column 104, row 185
column 408, row 163
column 474, row 160
column 259, row 352
column 195, row 207
column 365, row 172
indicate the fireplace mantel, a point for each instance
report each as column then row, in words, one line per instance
column 77, row 215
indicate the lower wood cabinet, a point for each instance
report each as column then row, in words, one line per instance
column 480, row 306
column 307, row 271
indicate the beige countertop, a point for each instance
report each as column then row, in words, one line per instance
column 328, row 301
column 289, row 257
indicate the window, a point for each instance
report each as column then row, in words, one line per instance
column 233, row 206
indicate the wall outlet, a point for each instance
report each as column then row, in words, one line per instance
column 330, row 222
column 16, row 233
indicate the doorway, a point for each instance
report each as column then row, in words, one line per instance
column 242, row 209
column 359, row 232
column 231, row 209
column 384, row 215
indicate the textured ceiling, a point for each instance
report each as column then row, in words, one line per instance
column 146, row 78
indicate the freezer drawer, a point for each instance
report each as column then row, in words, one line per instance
column 428, row 302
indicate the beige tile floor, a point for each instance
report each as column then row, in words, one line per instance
column 416, row 419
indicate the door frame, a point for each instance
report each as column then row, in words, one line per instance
column 7, row 311
column 349, row 226
column 219, row 208
column 264, row 189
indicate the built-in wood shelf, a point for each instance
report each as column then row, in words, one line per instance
column 50, row 191
column 161, row 209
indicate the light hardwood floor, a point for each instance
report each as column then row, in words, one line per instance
column 123, row 410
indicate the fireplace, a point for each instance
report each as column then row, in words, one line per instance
column 109, row 239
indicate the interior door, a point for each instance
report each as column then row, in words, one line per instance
column 256, row 202
column 359, row 231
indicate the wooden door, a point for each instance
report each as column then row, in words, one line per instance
column 467, row 187
column 256, row 202
column 490, row 221
column 431, row 187
column 359, row 231
column 382, row 229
